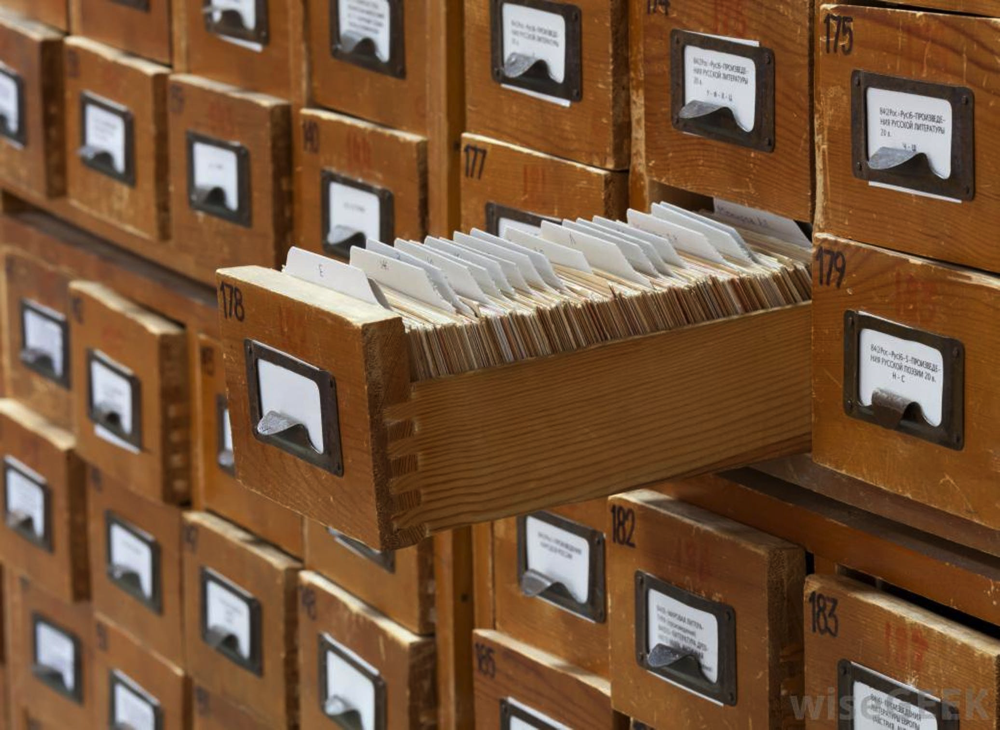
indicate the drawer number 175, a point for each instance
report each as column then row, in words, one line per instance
column 839, row 33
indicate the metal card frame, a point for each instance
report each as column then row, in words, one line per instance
column 18, row 136
column 723, row 127
column 945, row 714
column 509, row 711
column 40, row 671
column 243, row 215
column 496, row 211
column 155, row 601
column 385, row 559
column 135, row 386
column 255, row 662
column 723, row 690
column 362, row 54
column 116, row 678
column 596, row 608
column 571, row 87
column 386, row 211
column 45, row 540
column 259, row 34
column 328, row 644
column 961, row 185
column 221, row 408
column 331, row 459
column 951, row 432
column 63, row 323
column 97, row 163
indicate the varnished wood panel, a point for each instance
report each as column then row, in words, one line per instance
column 453, row 596
column 932, row 297
column 593, row 130
column 757, row 575
column 214, row 712
column 54, row 13
column 143, row 31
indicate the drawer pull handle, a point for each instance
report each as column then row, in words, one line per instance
column 344, row 237
column 904, row 162
column 7, row 128
column 21, row 522
column 225, row 459
column 342, row 712
column 294, row 433
column 213, row 198
column 96, row 157
column 534, row 584
column 890, row 408
column 230, row 21
column 360, row 45
column 222, row 639
column 124, row 726
column 662, row 656
column 106, row 415
column 519, row 65
column 714, row 116
column 49, row 675
column 126, row 576
column 38, row 359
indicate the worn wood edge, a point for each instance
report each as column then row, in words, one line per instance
column 221, row 87
column 538, row 656
column 275, row 557
column 362, row 125
column 27, row 419
column 34, row 29
column 116, row 55
column 580, row 167
column 152, row 322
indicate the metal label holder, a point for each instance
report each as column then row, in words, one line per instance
column 40, row 362
column 340, row 243
column 18, row 523
column 555, row 593
column 509, row 711
column 224, row 643
column 230, row 23
column 496, row 212
column 223, row 456
column 717, row 122
column 360, row 51
column 337, row 711
column 110, row 420
column 294, row 439
column 116, row 679
column 909, row 169
column 896, row 413
column 685, row 669
column 49, row 676
column 101, row 160
column 385, row 559
column 212, row 201
column 534, row 76
column 127, row 579
column 18, row 135
column 946, row 716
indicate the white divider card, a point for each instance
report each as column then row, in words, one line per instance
column 724, row 238
column 10, row 100
column 24, row 494
column 505, row 225
column 633, row 252
column 437, row 278
column 332, row 274
column 371, row 19
column 510, row 269
column 105, row 131
column 913, row 122
column 408, row 279
column 292, row 395
column 612, row 232
column 353, row 209
column 502, row 249
column 761, row 221
column 459, row 275
column 56, row 650
column 902, row 367
column 350, row 679
column 127, row 550
column 43, row 332
column 133, row 708
column 540, row 262
column 227, row 431
column 875, row 709
column 722, row 79
column 528, row 718
column 228, row 611
column 559, row 555
column 111, row 390
column 217, row 167
column 600, row 254
column 684, row 628
column 468, row 256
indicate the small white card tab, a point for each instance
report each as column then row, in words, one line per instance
column 504, row 225
column 560, row 556
column 132, row 709
column 127, row 550
column 369, row 19
column 685, row 628
column 901, row 120
column 293, row 395
column 903, row 367
column 226, row 610
column 722, row 79
column 56, row 650
column 217, row 167
column 346, row 680
column 332, row 274
column 24, row 494
column 105, row 131
column 43, row 332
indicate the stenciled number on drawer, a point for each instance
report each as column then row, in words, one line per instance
column 475, row 160
column 231, row 302
column 825, row 620
column 839, row 33
column 486, row 663
column 831, row 262
column 622, row 525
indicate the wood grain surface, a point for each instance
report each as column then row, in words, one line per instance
column 143, row 31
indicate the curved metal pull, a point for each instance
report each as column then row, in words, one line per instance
column 21, row 522
column 50, row 676
column 715, row 116
column 662, row 656
column 108, row 416
column 223, row 639
column 534, row 583
column 891, row 408
column 213, row 197
column 124, row 726
column 344, row 237
column 294, row 433
column 520, row 65
column 360, row 45
column 342, row 712
column 8, row 128
column 127, row 577
column 38, row 359
column 903, row 162
column 229, row 18
column 96, row 157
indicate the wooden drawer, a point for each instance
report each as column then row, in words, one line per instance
column 399, row 583
column 240, row 618
column 141, row 27
column 54, row 13
column 260, row 48
column 731, row 592
column 32, row 148
column 727, row 96
column 44, row 534
column 873, row 660
column 394, row 490
column 573, row 100
column 518, row 685
column 382, row 674
column 214, row 712
column 355, row 180
column 231, row 181
column 879, row 314
column 550, row 587
column 131, row 397
column 505, row 183
column 947, row 151
column 217, row 489
column 51, row 658
column 135, row 687
column 116, row 131
column 37, row 355
column 135, row 563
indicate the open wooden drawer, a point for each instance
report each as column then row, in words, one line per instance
column 401, row 458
